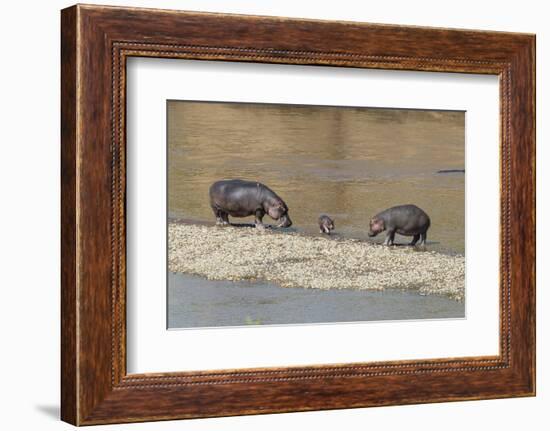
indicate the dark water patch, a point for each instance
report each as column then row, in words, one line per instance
column 451, row 171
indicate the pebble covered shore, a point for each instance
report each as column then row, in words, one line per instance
column 298, row 260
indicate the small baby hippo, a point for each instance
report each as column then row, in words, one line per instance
column 326, row 224
column 408, row 220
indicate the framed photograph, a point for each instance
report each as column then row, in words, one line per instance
column 264, row 215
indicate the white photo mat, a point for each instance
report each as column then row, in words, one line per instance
column 153, row 348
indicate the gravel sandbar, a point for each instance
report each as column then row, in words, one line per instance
column 298, row 260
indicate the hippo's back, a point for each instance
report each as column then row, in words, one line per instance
column 235, row 195
column 226, row 187
column 409, row 217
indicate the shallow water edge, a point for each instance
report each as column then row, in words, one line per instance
column 195, row 302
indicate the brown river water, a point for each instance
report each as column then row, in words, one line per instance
column 347, row 162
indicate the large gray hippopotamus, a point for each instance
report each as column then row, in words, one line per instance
column 408, row 220
column 240, row 198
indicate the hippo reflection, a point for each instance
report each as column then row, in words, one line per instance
column 240, row 198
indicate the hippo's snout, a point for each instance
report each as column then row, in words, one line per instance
column 371, row 234
column 285, row 221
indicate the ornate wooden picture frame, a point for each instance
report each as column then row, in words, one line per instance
column 96, row 41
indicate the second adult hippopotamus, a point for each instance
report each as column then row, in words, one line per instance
column 240, row 198
column 408, row 220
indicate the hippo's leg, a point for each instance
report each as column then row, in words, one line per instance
column 218, row 215
column 390, row 236
column 259, row 215
column 423, row 238
column 225, row 217
column 415, row 239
